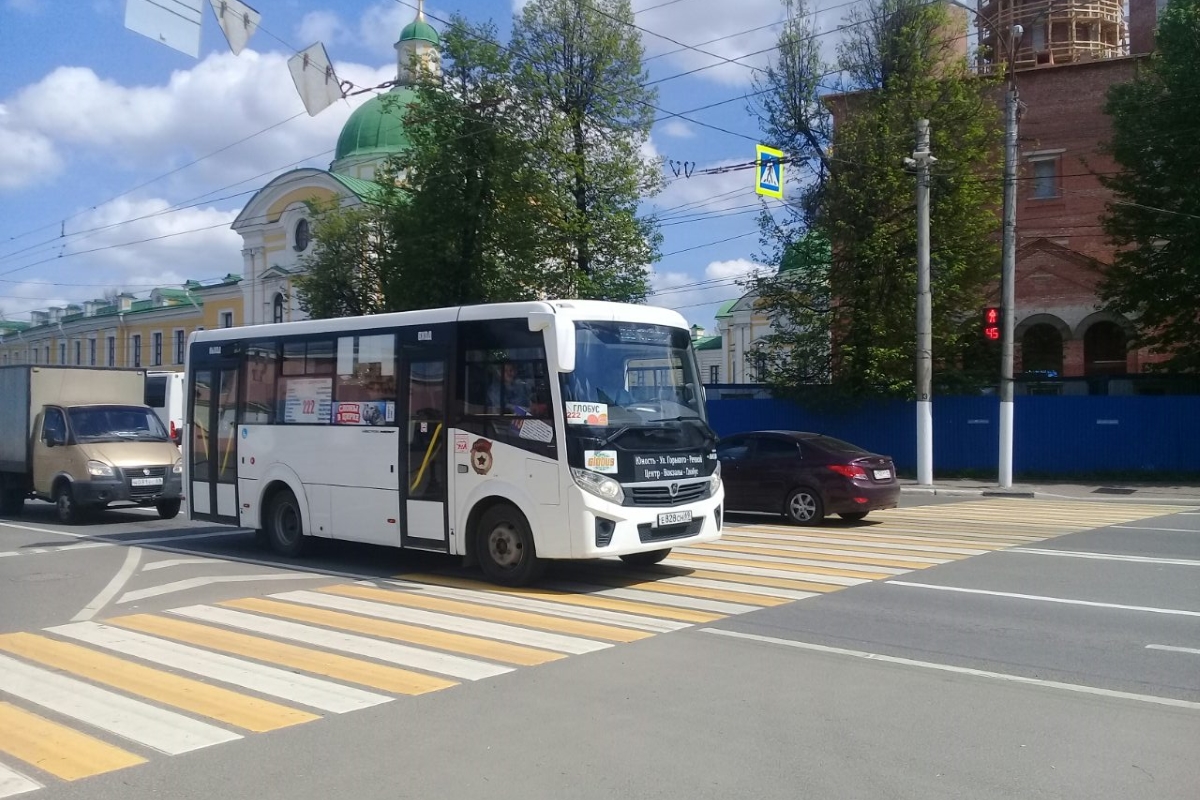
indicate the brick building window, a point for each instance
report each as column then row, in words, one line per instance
column 179, row 336
column 136, row 348
column 1045, row 178
column 714, row 373
column 112, row 351
column 91, row 352
column 158, row 349
column 226, row 319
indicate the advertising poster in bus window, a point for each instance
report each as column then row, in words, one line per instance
column 375, row 412
column 587, row 413
column 308, row 400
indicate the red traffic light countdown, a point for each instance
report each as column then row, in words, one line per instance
column 991, row 324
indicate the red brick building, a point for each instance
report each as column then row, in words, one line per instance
column 1070, row 53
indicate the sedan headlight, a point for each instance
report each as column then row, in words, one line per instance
column 177, row 467
column 98, row 469
column 600, row 485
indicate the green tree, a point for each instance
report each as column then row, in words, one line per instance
column 903, row 65
column 460, row 214
column 1155, row 215
column 578, row 66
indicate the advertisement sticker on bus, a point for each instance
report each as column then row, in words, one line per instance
column 602, row 461
column 587, row 413
column 363, row 413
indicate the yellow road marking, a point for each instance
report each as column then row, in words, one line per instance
column 442, row 640
column 854, row 548
column 864, row 560
column 745, row 562
column 215, row 702
column 318, row 662
column 591, row 630
column 570, row 599
column 883, row 534
column 57, row 749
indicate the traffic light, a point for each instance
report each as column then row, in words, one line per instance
column 991, row 324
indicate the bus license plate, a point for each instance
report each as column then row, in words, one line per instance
column 146, row 481
column 674, row 518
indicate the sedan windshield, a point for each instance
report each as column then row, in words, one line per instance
column 630, row 373
column 115, row 424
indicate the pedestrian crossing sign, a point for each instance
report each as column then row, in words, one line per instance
column 768, row 171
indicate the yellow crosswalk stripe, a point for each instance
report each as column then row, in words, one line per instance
column 317, row 662
column 56, row 749
column 740, row 562
column 442, row 640
column 590, row 630
column 844, row 544
column 234, row 708
column 756, row 580
column 567, row 598
column 869, row 561
column 885, row 534
column 628, row 581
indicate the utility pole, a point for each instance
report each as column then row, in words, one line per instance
column 1008, row 269
column 921, row 159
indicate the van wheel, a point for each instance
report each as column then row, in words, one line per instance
column 168, row 509
column 646, row 559
column 285, row 525
column 504, row 547
column 65, row 506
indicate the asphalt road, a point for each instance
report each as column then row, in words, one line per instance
column 971, row 649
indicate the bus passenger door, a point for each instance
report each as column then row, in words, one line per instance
column 423, row 447
column 212, row 449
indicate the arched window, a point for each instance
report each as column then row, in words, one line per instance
column 1042, row 350
column 277, row 308
column 1104, row 349
column 302, row 236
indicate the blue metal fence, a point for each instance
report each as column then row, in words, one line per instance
column 1051, row 435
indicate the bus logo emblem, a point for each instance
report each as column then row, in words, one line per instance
column 674, row 489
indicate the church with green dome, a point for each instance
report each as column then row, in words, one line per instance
column 274, row 225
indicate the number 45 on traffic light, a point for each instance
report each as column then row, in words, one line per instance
column 991, row 323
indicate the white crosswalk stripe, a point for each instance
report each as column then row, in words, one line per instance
column 134, row 720
column 391, row 652
column 433, row 619
column 806, row 562
column 637, row 595
column 313, row 692
column 13, row 783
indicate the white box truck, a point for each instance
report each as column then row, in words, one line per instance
column 83, row 439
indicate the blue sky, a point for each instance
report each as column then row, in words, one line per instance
column 142, row 155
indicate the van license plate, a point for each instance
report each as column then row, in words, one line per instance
column 674, row 518
column 145, row 482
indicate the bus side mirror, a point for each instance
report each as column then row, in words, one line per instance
column 561, row 343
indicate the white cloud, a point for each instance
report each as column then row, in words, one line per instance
column 159, row 248
column 223, row 99
column 322, row 26
column 26, row 157
column 678, row 129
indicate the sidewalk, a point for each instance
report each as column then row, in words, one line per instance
column 1133, row 492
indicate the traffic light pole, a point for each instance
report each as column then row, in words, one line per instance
column 922, row 159
column 1008, row 286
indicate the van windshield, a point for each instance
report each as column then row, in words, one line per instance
column 116, row 424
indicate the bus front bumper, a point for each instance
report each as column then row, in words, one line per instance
column 609, row 529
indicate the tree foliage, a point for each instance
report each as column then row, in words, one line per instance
column 494, row 199
column 1155, row 215
column 899, row 65
column 579, row 67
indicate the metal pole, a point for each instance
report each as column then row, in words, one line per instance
column 1008, row 285
column 923, row 158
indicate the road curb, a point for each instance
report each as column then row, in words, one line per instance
column 940, row 491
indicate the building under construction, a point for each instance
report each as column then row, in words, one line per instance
column 1054, row 32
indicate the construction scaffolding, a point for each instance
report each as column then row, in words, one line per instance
column 1054, row 31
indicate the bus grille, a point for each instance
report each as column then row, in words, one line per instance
column 661, row 495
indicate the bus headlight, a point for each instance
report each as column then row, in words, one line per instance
column 98, row 469
column 716, row 479
column 603, row 487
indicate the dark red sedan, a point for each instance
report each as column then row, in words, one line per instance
column 804, row 476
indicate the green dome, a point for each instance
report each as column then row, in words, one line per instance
column 422, row 30
column 377, row 126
